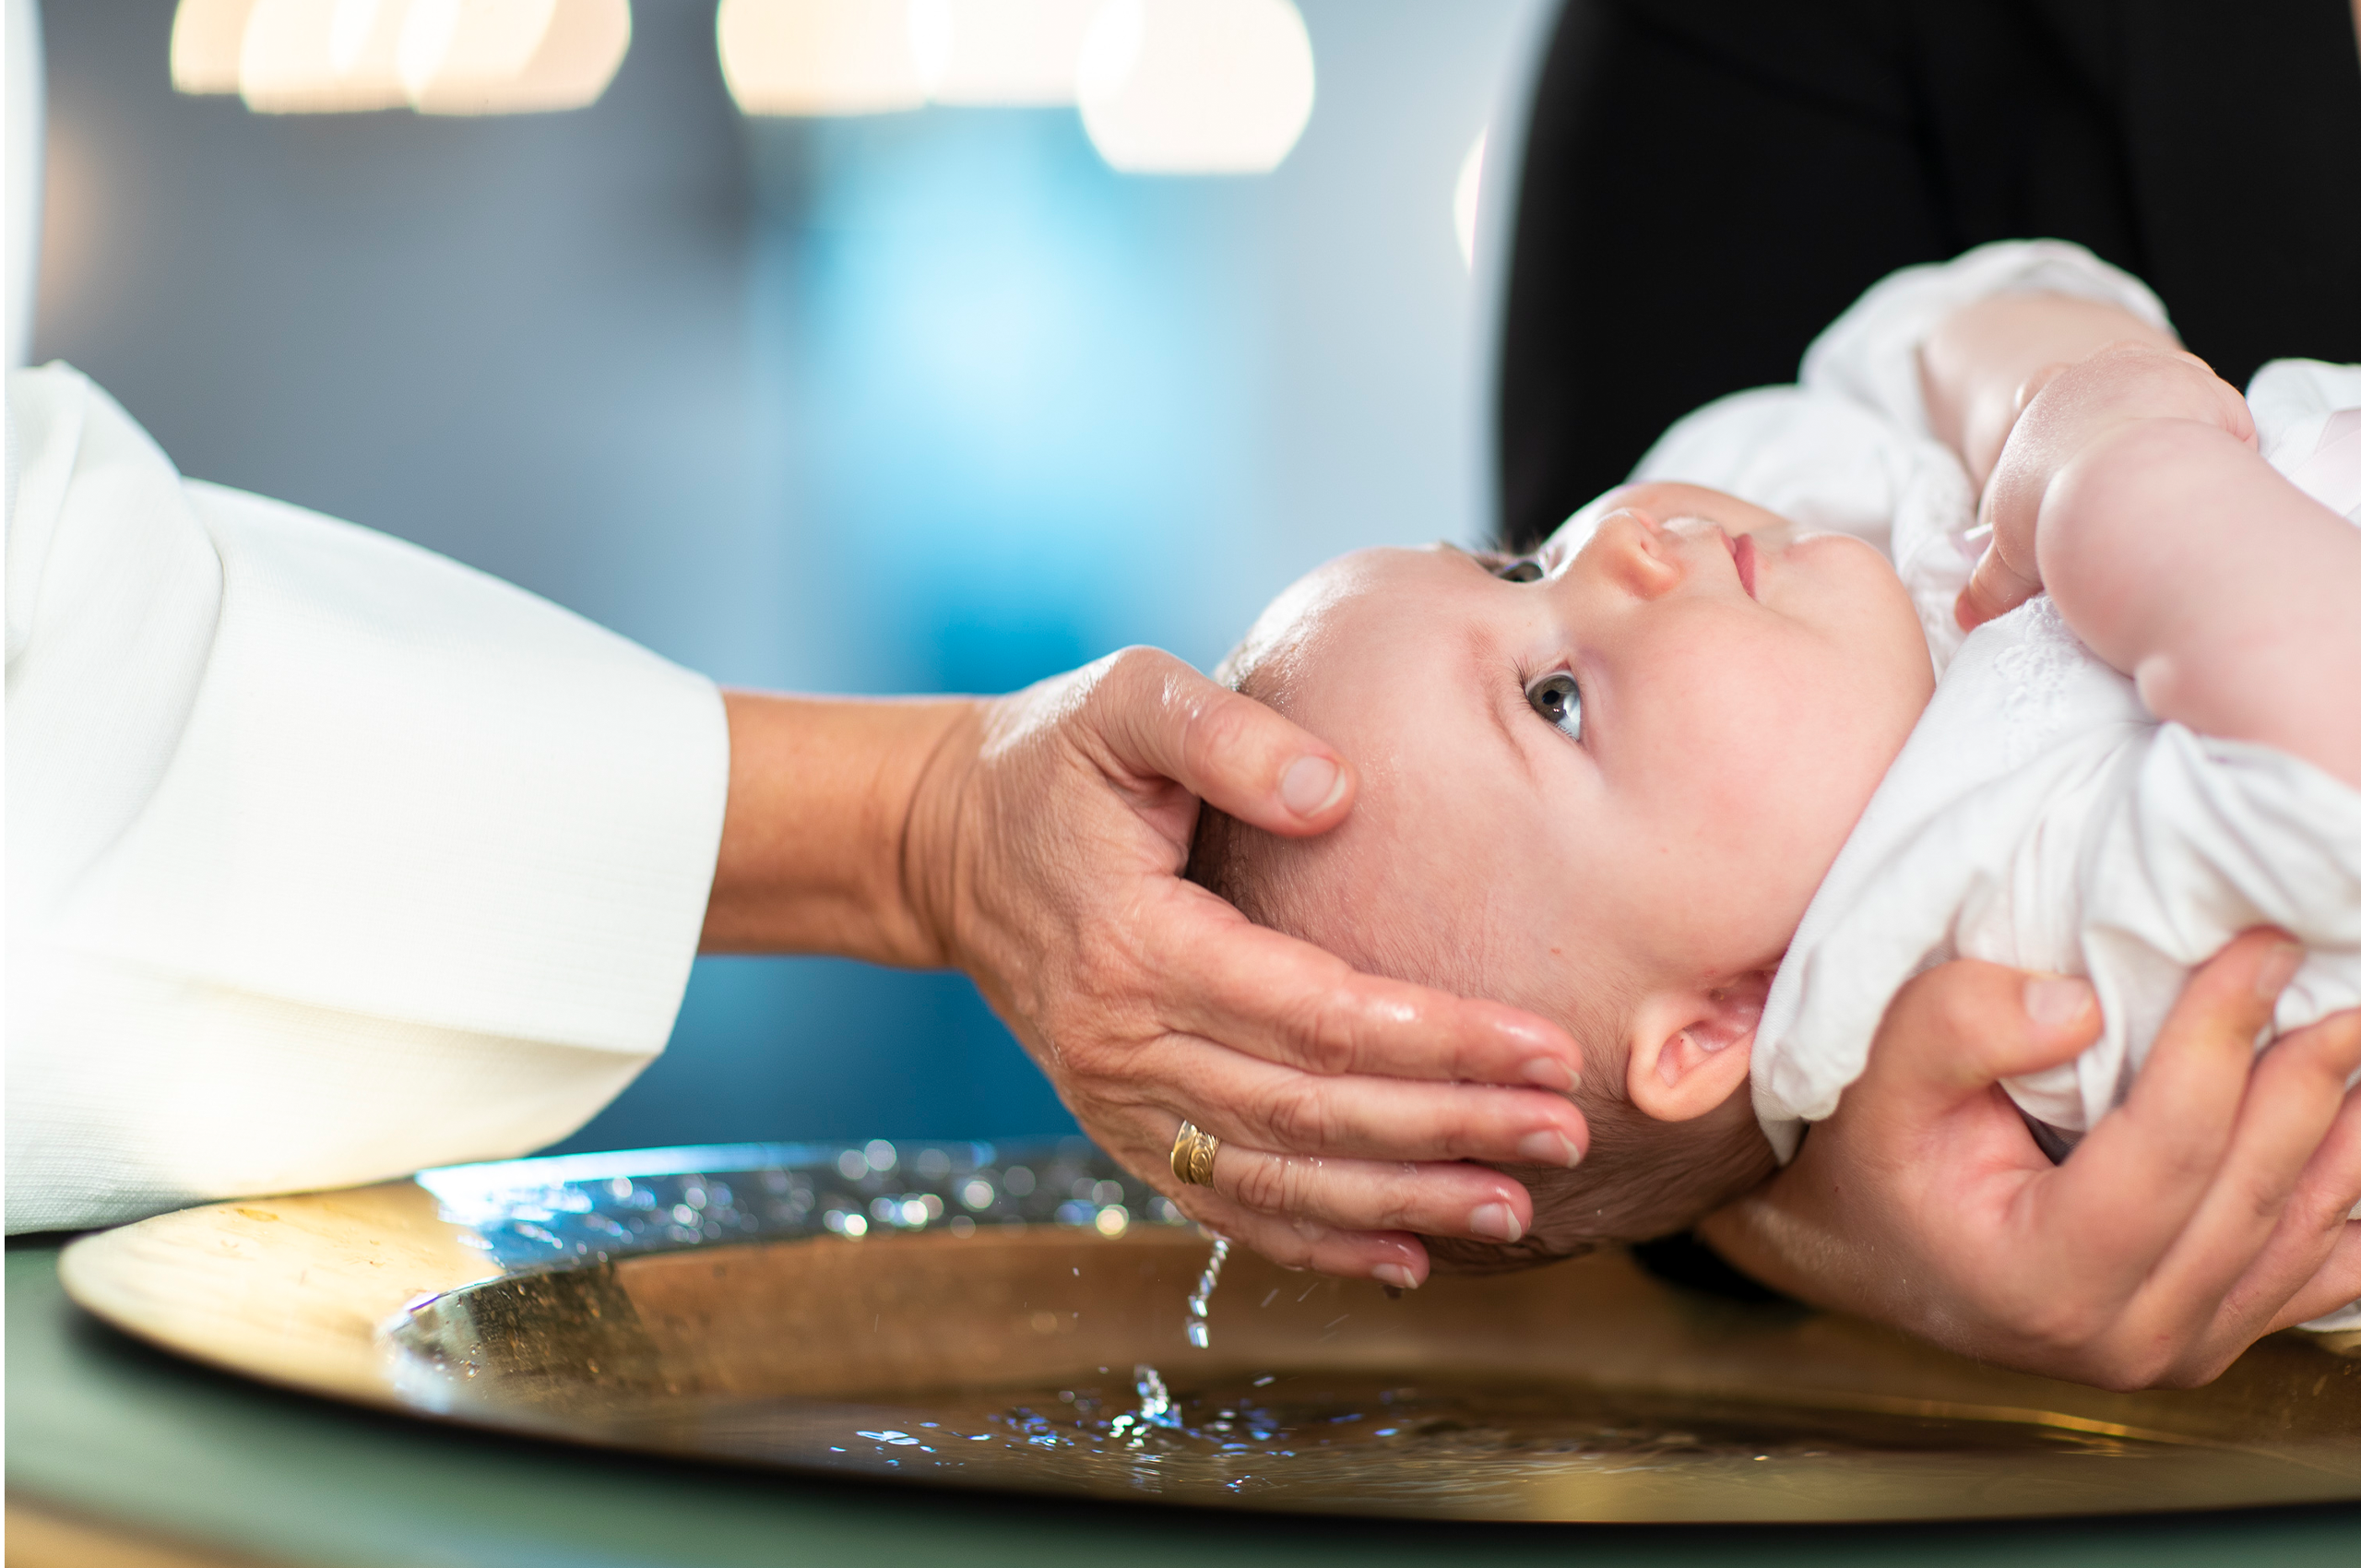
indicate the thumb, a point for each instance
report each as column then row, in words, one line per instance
column 1959, row 1028
column 1158, row 717
column 1993, row 589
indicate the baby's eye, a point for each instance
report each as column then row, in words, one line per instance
column 1555, row 698
column 1522, row 569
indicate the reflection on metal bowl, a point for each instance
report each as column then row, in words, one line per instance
column 1017, row 1319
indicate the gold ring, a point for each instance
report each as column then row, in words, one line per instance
column 1192, row 1154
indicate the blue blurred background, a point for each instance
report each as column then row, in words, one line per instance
column 925, row 401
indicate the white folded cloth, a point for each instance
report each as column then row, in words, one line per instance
column 328, row 858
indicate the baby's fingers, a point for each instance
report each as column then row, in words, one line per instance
column 1994, row 588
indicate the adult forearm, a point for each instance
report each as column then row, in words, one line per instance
column 814, row 840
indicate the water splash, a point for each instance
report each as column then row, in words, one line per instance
column 1157, row 1408
column 1446, row 1438
column 1200, row 1332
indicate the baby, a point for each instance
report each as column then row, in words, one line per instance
column 1676, row 781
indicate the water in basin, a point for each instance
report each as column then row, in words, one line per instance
column 1045, row 1344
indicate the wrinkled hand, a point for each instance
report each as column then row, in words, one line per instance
column 2205, row 1212
column 2067, row 409
column 1047, row 843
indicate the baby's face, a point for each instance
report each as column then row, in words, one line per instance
column 1642, row 760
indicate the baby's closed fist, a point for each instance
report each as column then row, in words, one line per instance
column 2068, row 410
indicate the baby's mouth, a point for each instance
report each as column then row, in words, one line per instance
column 1742, row 553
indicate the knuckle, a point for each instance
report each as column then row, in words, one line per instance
column 1136, row 665
column 1939, row 1007
column 1266, row 1183
column 1217, row 726
column 2319, row 1214
column 1120, row 681
column 1955, row 1009
column 1329, row 1039
column 2148, row 1367
column 2191, row 1164
column 2261, row 1202
column 2191, row 1374
column 1298, row 1116
column 2108, row 1353
column 2343, row 1045
column 2103, row 1363
column 2326, row 1051
column 2066, row 1327
column 2116, row 1374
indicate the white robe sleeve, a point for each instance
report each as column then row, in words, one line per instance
column 328, row 858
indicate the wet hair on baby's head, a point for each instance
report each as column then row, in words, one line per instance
column 1641, row 1178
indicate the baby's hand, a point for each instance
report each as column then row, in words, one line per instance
column 2067, row 408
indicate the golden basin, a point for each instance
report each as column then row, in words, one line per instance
column 1018, row 1319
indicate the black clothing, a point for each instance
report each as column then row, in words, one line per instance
column 1708, row 183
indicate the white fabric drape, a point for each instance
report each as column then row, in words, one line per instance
column 328, row 858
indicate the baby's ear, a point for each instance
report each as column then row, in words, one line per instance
column 1689, row 1051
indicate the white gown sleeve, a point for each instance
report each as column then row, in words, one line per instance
column 328, row 858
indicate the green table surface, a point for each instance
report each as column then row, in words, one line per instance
column 104, row 1426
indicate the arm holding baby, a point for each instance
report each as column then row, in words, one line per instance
column 2207, row 1212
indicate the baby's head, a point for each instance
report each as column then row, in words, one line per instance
column 1600, row 783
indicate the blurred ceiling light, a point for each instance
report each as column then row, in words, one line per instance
column 510, row 56
column 819, row 56
column 207, row 36
column 439, row 56
column 1465, row 196
column 1195, row 86
column 1013, row 52
column 319, row 56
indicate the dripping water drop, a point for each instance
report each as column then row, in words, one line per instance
column 1200, row 1332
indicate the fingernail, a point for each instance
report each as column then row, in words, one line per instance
column 2278, row 969
column 1310, row 784
column 1495, row 1222
column 2055, row 1000
column 1548, row 1149
column 1548, row 1073
column 1393, row 1274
